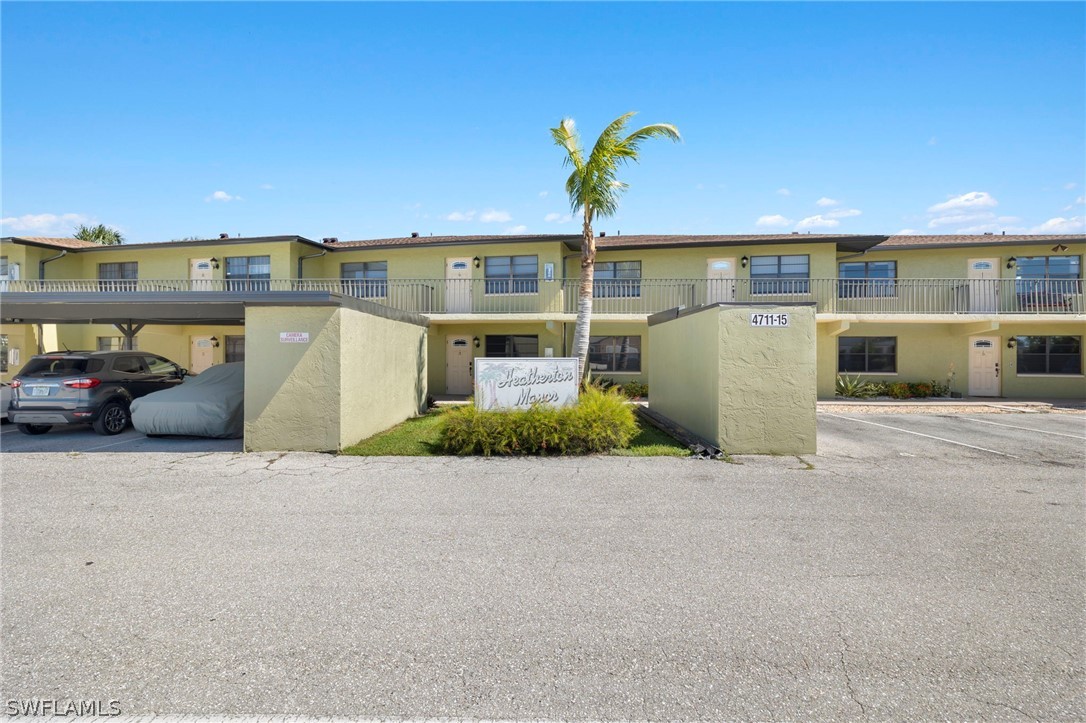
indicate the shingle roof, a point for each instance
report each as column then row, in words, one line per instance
column 723, row 240
column 60, row 243
column 896, row 242
column 448, row 240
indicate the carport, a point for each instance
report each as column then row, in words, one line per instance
column 322, row 370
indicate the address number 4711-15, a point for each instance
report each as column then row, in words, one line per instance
column 769, row 319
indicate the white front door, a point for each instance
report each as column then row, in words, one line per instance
column 458, row 361
column 202, row 354
column 983, row 286
column 721, row 275
column 984, row 366
column 200, row 272
column 457, row 286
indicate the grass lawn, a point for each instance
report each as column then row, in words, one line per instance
column 421, row 437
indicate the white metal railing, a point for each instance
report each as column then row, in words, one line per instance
column 633, row 296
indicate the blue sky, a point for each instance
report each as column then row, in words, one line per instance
column 362, row 120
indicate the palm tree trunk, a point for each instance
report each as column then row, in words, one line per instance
column 584, row 297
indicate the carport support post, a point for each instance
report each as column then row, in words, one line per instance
column 129, row 331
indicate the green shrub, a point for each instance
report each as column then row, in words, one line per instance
column 939, row 389
column 919, row 389
column 635, row 390
column 855, row 387
column 899, row 390
column 599, row 422
column 880, row 389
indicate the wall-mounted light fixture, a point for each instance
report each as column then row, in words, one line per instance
column 744, row 261
column 1058, row 249
column 476, row 262
column 1011, row 262
column 214, row 263
column 1012, row 343
column 475, row 341
column 215, row 342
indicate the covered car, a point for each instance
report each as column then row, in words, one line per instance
column 209, row 404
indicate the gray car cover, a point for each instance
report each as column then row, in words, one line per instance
column 209, row 404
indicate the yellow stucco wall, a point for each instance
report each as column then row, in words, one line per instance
column 24, row 339
column 683, row 372
column 549, row 336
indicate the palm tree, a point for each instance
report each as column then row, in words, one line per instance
column 100, row 235
column 594, row 189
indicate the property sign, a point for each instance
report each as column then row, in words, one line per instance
column 769, row 319
column 294, row 337
column 520, row 383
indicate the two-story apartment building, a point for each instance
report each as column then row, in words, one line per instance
column 1002, row 315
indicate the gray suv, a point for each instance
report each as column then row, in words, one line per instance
column 86, row 387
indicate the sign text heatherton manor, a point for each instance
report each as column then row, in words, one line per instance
column 520, row 383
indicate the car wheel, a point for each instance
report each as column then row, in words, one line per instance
column 112, row 420
column 34, row 428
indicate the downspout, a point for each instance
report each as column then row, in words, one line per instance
column 43, row 262
column 310, row 256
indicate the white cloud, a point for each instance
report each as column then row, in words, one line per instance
column 1061, row 225
column 492, row 216
column 44, row 224
column 222, row 196
column 818, row 221
column 907, row 232
column 266, row 187
column 544, row 194
column 1080, row 200
column 826, row 202
column 784, row 192
column 932, row 141
column 521, row 228
column 844, row 213
column 959, row 218
column 971, row 200
column 1070, row 186
column 557, row 218
column 460, row 216
column 774, row 221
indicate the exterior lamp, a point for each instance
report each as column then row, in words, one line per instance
column 744, row 261
column 214, row 263
column 476, row 262
column 215, row 342
column 1011, row 262
column 475, row 341
column 1012, row 343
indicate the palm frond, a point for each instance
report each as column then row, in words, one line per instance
column 565, row 135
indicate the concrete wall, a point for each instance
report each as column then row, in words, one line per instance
column 750, row 389
column 358, row 375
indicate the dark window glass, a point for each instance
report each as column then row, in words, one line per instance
column 511, row 345
column 866, row 354
column 116, row 343
column 118, row 276
column 1049, row 354
column 780, row 274
column 128, row 365
column 866, row 279
column 42, row 367
column 512, row 274
column 235, row 348
column 614, row 353
column 367, row 279
column 1047, row 282
column 617, row 278
column 248, row 273
column 3, row 352
column 160, row 367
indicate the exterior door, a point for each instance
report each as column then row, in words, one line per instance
column 200, row 272
column 984, row 366
column 458, row 361
column 202, row 355
column 721, row 275
column 983, row 286
column 457, row 286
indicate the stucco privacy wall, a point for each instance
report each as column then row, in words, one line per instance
column 757, row 383
column 357, row 375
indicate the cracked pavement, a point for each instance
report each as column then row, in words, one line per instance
column 901, row 577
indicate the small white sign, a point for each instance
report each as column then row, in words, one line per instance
column 548, row 272
column 294, row 337
column 769, row 319
column 520, row 383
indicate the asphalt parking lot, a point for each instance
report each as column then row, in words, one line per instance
column 81, row 438
column 920, row 567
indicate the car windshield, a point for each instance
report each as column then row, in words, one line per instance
column 44, row 367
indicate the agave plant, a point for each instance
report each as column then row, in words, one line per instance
column 853, row 387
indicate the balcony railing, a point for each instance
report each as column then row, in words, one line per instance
column 635, row 296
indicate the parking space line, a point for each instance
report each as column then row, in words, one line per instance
column 1028, row 429
column 921, row 434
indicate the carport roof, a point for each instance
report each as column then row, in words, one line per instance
column 218, row 307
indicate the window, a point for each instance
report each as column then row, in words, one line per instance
column 614, row 353
column 235, row 348
column 867, row 354
column 248, row 273
column 3, row 267
column 160, row 367
column 118, row 276
column 367, row 279
column 1047, row 281
column 617, row 278
column 3, row 352
column 511, row 345
column 116, row 343
column 780, row 274
column 866, row 279
column 1049, row 354
column 129, row 365
column 512, row 274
